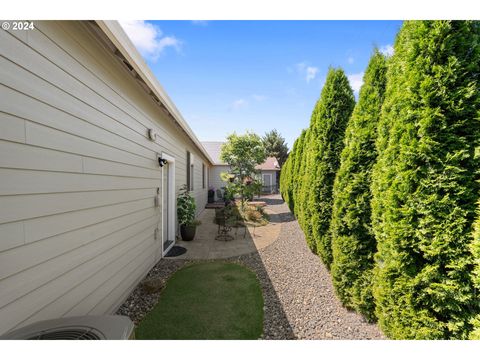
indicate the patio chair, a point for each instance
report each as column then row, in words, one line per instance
column 219, row 195
column 225, row 224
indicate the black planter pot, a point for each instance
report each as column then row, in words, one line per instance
column 187, row 232
column 211, row 196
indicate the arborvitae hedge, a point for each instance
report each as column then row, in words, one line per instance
column 286, row 178
column 425, row 185
column 327, row 128
column 353, row 242
column 301, row 197
column 283, row 180
column 296, row 176
column 475, row 334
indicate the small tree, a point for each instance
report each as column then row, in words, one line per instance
column 243, row 153
column 275, row 146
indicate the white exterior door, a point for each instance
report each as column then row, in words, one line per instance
column 168, row 204
column 267, row 182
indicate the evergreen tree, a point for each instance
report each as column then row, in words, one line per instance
column 286, row 178
column 424, row 183
column 296, row 176
column 475, row 334
column 275, row 146
column 301, row 196
column 353, row 242
column 327, row 128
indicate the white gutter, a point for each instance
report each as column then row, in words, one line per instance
column 114, row 31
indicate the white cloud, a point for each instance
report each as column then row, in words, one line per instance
column 386, row 50
column 148, row 38
column 311, row 73
column 259, row 97
column 350, row 60
column 306, row 71
column 300, row 67
column 200, row 22
column 238, row 104
column 356, row 81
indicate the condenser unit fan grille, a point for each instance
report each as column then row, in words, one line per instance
column 66, row 334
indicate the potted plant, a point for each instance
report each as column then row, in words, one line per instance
column 186, row 214
column 211, row 195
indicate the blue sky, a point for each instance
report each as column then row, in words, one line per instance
column 227, row 76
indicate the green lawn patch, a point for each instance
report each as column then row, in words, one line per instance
column 212, row 300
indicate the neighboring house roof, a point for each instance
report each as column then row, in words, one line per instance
column 114, row 32
column 270, row 164
column 214, row 149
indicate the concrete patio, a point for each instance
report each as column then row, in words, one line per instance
column 245, row 240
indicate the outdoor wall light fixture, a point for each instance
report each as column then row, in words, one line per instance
column 161, row 161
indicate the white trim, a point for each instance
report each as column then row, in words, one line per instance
column 171, row 202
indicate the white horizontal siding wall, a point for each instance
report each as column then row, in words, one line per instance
column 78, row 175
column 214, row 178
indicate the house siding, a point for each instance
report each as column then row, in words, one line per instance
column 214, row 176
column 78, row 175
column 273, row 173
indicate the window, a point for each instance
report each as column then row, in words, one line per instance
column 190, row 171
column 203, row 175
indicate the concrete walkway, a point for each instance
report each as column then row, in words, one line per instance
column 205, row 246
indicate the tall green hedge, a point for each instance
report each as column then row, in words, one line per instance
column 475, row 334
column 353, row 242
column 296, row 175
column 425, row 182
column 286, row 175
column 283, row 180
column 327, row 128
column 301, row 194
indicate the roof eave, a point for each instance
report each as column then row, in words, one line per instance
column 113, row 30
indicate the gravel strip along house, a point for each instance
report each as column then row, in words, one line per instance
column 86, row 210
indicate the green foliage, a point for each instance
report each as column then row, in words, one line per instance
column 186, row 207
column 475, row 334
column 301, row 194
column 424, row 183
column 296, row 175
column 243, row 153
column 287, row 176
column 327, row 128
column 353, row 242
column 275, row 145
